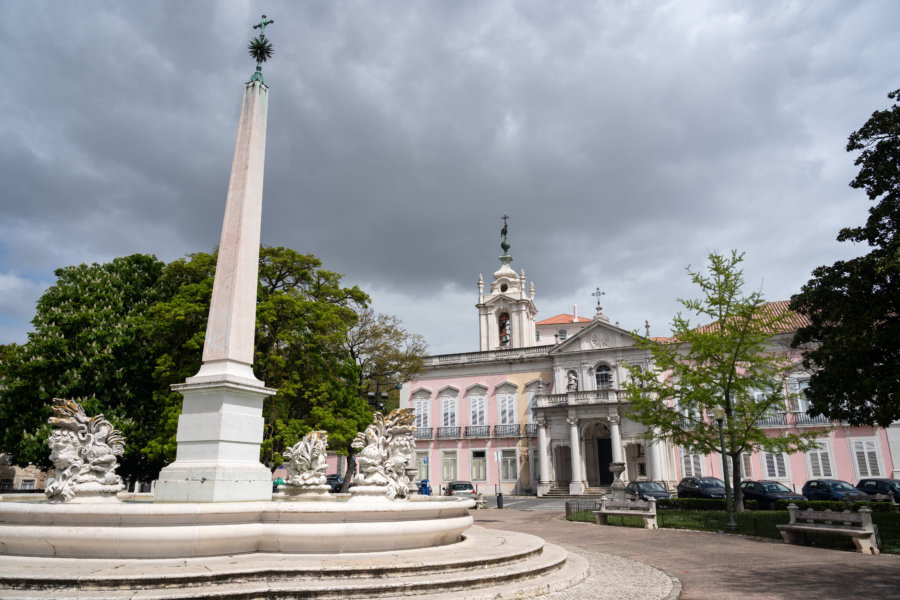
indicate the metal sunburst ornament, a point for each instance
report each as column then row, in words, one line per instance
column 260, row 49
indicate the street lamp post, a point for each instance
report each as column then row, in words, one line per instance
column 731, row 525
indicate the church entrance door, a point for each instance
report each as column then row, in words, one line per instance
column 604, row 457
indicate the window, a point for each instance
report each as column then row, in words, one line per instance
column 531, row 405
column 479, row 465
column 505, row 329
column 27, row 484
column 421, row 465
column 6, row 484
column 797, row 391
column 476, row 410
column 448, row 411
column 775, row 465
column 422, row 405
column 561, row 334
column 819, row 462
column 866, row 458
column 508, row 470
column 604, row 377
column 448, row 465
column 691, row 465
column 537, row 336
column 506, row 408
column 746, row 466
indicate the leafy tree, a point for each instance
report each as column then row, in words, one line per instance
column 87, row 343
column 852, row 343
column 730, row 363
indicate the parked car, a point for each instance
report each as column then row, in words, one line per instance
column 460, row 488
column 644, row 490
column 880, row 485
column 701, row 487
column 832, row 489
column 767, row 493
column 335, row 481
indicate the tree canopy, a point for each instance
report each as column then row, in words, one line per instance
column 852, row 343
column 118, row 335
column 732, row 363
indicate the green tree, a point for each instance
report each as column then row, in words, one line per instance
column 852, row 343
column 87, row 343
column 730, row 363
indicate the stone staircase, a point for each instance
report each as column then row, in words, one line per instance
column 486, row 564
column 563, row 492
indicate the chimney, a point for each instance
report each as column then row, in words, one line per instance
column 575, row 310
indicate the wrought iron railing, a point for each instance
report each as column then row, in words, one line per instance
column 529, row 430
column 448, row 432
column 510, row 430
column 423, row 433
column 803, row 418
column 478, row 431
column 776, row 420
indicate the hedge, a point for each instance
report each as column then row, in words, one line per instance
column 836, row 505
column 699, row 504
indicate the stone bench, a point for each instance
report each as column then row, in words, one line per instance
column 857, row 526
column 638, row 508
column 480, row 502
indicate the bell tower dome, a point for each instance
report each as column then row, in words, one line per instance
column 506, row 314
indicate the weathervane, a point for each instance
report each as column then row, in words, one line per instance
column 597, row 294
column 260, row 49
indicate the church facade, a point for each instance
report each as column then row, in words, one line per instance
column 541, row 409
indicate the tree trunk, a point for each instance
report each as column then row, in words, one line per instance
column 736, row 483
column 348, row 473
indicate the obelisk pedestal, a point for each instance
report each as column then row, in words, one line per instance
column 220, row 429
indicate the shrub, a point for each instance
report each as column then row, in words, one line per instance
column 835, row 505
column 698, row 504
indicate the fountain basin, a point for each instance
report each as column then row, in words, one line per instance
column 184, row 530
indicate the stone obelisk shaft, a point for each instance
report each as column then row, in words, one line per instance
column 220, row 429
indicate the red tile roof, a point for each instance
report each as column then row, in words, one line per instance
column 563, row 319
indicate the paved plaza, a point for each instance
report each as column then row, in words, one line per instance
column 709, row 566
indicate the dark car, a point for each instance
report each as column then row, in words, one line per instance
column 460, row 488
column 701, row 487
column 644, row 490
column 880, row 485
column 335, row 481
column 767, row 493
column 832, row 489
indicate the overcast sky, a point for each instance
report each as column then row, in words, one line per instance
column 625, row 140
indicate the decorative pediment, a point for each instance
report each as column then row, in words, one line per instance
column 448, row 390
column 506, row 388
column 421, row 392
column 596, row 336
column 476, row 389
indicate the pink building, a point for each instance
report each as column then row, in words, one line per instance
column 540, row 409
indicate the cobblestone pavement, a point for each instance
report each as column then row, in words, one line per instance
column 617, row 578
column 713, row 566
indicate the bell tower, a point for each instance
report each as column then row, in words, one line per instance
column 506, row 314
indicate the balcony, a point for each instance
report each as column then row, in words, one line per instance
column 448, row 432
column 511, row 430
column 580, row 398
column 423, row 433
column 776, row 420
column 478, row 431
column 529, row 430
column 802, row 418
column 467, row 358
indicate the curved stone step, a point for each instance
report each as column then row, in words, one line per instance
column 486, row 559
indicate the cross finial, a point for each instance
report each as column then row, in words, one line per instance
column 503, row 231
column 597, row 293
column 262, row 26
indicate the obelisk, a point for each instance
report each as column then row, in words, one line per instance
column 220, row 429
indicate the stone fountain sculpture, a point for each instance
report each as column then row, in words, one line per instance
column 83, row 451
column 385, row 450
column 306, row 465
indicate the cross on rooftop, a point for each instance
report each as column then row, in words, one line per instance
column 597, row 294
column 262, row 26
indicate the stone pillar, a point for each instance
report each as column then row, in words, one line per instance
column 615, row 438
column 576, row 486
column 220, row 429
column 543, row 464
column 653, row 470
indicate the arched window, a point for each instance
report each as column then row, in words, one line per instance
column 505, row 330
column 604, row 377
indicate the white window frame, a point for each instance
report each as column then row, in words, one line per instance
column 423, row 412
column 477, row 410
column 448, row 411
column 449, row 465
column 506, row 408
column 870, row 454
column 421, row 465
column 509, row 464
column 819, row 462
column 604, row 368
column 797, row 390
column 27, row 484
column 746, row 465
column 475, row 476
column 780, row 472
column 691, row 464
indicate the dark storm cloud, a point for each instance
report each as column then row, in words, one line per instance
column 625, row 141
